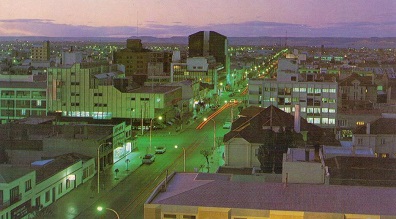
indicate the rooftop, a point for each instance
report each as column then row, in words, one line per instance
column 190, row 189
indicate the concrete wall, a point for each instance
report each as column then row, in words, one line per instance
column 303, row 172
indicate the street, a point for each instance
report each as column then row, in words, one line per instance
column 126, row 193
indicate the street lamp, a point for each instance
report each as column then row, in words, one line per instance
column 214, row 132
column 184, row 158
column 98, row 150
column 100, row 208
column 151, row 127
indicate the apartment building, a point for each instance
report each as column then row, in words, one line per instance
column 21, row 96
column 316, row 97
column 41, row 52
column 138, row 60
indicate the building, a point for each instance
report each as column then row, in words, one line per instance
column 317, row 98
column 101, row 91
column 201, row 196
column 357, row 92
column 138, row 60
column 379, row 136
column 202, row 69
column 21, row 96
column 41, row 52
column 249, row 131
column 25, row 190
column 210, row 43
column 27, row 140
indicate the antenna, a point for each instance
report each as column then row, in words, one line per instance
column 286, row 39
column 137, row 23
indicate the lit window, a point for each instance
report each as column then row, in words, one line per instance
column 359, row 123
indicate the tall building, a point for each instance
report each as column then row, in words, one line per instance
column 316, row 96
column 137, row 59
column 210, row 43
column 41, row 52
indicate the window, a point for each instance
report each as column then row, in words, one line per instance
column 98, row 94
column 74, row 83
column 383, row 141
column 360, row 123
column 189, row 217
column 133, row 98
column 28, row 185
column 169, row 216
column 47, row 196
column 67, row 183
column 360, row 141
column 60, row 188
column 144, row 99
column 75, row 104
column 38, row 201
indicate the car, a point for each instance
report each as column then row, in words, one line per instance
column 160, row 150
column 227, row 125
column 148, row 159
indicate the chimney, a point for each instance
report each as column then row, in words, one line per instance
column 368, row 128
column 297, row 119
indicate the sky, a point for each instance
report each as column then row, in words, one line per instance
column 166, row 18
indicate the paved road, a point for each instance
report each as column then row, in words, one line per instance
column 127, row 193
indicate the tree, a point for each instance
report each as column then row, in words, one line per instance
column 206, row 153
column 264, row 155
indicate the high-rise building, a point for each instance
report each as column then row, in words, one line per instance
column 209, row 43
column 41, row 52
column 137, row 59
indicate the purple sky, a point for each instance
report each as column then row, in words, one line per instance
column 164, row 18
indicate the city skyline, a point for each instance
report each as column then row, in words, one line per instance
column 233, row 18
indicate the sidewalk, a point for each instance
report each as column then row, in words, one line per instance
column 84, row 196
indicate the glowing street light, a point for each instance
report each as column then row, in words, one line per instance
column 98, row 150
column 184, row 158
column 100, row 208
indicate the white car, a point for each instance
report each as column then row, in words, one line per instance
column 227, row 125
column 148, row 159
column 160, row 150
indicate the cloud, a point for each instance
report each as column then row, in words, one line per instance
column 45, row 27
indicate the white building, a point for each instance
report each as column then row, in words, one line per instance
column 26, row 190
column 318, row 99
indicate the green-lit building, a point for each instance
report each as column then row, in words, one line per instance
column 100, row 91
column 21, row 99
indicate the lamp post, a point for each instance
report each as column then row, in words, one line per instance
column 100, row 208
column 214, row 132
column 184, row 158
column 151, row 127
column 98, row 150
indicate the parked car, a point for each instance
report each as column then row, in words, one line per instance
column 227, row 125
column 148, row 159
column 160, row 150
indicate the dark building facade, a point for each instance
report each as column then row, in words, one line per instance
column 209, row 43
column 136, row 59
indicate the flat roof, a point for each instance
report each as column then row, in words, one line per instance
column 189, row 189
column 154, row 89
